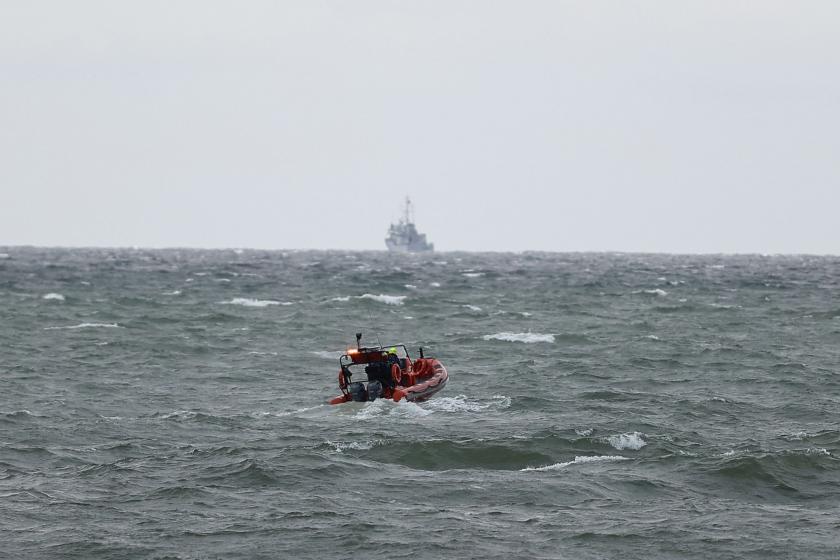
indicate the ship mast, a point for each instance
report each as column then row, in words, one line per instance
column 408, row 218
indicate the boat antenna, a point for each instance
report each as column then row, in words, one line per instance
column 375, row 332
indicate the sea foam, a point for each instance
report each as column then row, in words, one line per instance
column 340, row 446
column 579, row 460
column 387, row 408
column 527, row 338
column 654, row 292
column 382, row 298
column 86, row 326
column 249, row 302
column 462, row 403
column 634, row 441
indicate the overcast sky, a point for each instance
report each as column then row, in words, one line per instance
column 708, row 126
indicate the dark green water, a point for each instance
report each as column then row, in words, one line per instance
column 170, row 404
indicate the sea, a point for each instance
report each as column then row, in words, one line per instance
column 172, row 404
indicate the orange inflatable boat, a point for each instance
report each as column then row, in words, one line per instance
column 387, row 372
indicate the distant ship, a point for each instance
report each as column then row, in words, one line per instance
column 403, row 236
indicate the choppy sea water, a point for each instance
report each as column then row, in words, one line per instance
column 171, row 404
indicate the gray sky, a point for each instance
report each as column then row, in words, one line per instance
column 708, row 126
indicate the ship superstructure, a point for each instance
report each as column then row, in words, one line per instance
column 403, row 236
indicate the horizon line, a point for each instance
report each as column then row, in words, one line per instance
column 508, row 251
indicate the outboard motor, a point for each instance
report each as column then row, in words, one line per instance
column 358, row 392
column 374, row 390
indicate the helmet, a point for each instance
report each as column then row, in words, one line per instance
column 392, row 350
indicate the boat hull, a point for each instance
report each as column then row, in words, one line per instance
column 425, row 378
column 430, row 378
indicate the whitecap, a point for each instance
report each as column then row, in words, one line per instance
column 458, row 403
column 52, row 295
column 579, row 460
column 4, row 256
column 172, row 293
column 86, row 326
column 340, row 446
column 584, row 432
column 250, row 302
column 179, row 415
column 341, row 298
column 652, row 337
column 817, row 451
column 409, row 317
column 382, row 298
column 411, row 287
column 298, row 410
column 258, row 353
column 238, row 251
column 655, row 292
column 385, row 407
column 472, row 307
column 473, row 274
column 435, row 284
column 527, row 338
column 634, row 441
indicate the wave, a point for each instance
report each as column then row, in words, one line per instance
column 179, row 415
column 340, row 447
column 778, row 471
column 654, row 292
column 462, row 403
column 53, row 295
column 87, row 326
column 579, row 460
column 382, row 298
column 472, row 307
column 634, row 441
column 249, row 302
column 445, row 454
column 328, row 354
column 247, row 472
column 382, row 408
column 527, row 338
column 299, row 410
